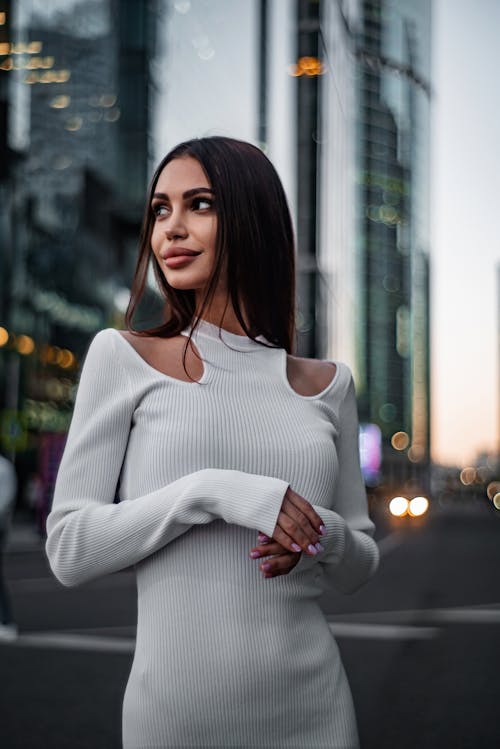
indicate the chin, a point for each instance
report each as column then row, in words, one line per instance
column 185, row 282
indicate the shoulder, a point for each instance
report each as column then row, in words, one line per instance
column 166, row 356
column 102, row 355
column 310, row 376
column 115, row 342
column 101, row 348
column 106, row 372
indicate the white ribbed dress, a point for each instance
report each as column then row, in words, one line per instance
column 224, row 657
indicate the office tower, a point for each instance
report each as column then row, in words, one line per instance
column 392, row 225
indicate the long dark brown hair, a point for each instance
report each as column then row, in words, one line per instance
column 254, row 237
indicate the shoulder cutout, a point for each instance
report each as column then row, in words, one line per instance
column 165, row 355
column 309, row 376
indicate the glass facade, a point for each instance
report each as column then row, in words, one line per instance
column 372, row 219
column 337, row 283
column 392, row 227
column 75, row 97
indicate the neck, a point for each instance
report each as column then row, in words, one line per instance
column 221, row 313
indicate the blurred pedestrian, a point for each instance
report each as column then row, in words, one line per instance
column 237, row 469
column 8, row 487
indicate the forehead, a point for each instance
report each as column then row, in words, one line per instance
column 181, row 174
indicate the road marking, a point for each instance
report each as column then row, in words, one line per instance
column 377, row 625
column 382, row 631
column 51, row 584
column 489, row 614
column 65, row 641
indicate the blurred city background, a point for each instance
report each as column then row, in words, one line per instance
column 381, row 117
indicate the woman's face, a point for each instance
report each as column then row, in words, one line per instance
column 185, row 224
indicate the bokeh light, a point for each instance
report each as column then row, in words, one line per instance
column 400, row 440
column 468, row 475
column 73, row 124
column 60, row 102
column 399, row 506
column 308, row 66
column 25, row 345
column 492, row 489
column 65, row 358
column 418, row 506
column 4, row 336
column 496, row 501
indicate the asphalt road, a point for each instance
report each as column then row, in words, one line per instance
column 420, row 643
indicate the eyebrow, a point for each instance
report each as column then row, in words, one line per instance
column 185, row 195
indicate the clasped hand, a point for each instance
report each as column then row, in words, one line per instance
column 298, row 529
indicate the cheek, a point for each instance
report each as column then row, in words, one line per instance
column 212, row 236
column 155, row 240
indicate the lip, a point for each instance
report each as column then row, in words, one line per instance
column 177, row 256
column 175, row 261
column 176, row 251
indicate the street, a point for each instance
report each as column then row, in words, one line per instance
column 420, row 642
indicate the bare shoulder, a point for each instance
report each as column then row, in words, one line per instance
column 309, row 376
column 145, row 345
column 166, row 355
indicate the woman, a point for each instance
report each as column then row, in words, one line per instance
column 237, row 468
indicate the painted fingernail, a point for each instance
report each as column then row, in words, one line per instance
column 255, row 554
column 319, row 547
column 322, row 530
column 311, row 549
column 296, row 547
column 266, row 567
column 263, row 538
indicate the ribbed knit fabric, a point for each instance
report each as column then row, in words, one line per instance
column 224, row 657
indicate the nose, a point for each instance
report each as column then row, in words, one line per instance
column 175, row 226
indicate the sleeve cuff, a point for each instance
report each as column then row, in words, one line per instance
column 245, row 499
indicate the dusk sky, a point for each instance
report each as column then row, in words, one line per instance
column 466, row 238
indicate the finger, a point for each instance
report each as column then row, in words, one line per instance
column 307, row 509
column 281, row 564
column 293, row 539
column 300, row 520
column 265, row 550
column 303, row 538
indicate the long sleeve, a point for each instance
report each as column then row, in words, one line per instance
column 88, row 535
column 351, row 555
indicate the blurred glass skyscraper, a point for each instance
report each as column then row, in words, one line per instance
column 371, row 148
column 75, row 111
column 392, row 224
column 362, row 161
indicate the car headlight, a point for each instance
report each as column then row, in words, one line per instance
column 418, row 506
column 399, row 506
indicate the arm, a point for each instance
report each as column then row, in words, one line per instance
column 351, row 555
column 87, row 534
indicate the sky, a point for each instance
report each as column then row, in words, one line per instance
column 465, row 235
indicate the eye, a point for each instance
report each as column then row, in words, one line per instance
column 202, row 204
column 159, row 209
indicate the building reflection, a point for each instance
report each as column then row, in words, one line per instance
column 363, row 100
